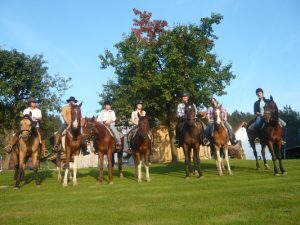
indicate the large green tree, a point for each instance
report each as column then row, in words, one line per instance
column 157, row 63
column 23, row 76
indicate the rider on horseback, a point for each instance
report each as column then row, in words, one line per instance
column 36, row 117
column 181, row 118
column 66, row 115
column 108, row 117
column 210, row 125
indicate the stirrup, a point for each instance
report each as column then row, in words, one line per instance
column 256, row 140
column 8, row 149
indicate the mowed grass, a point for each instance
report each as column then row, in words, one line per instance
column 247, row 197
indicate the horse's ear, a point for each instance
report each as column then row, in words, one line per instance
column 80, row 104
column 93, row 119
column 271, row 98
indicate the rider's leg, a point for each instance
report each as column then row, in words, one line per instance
column 231, row 133
column 208, row 130
column 13, row 142
column 42, row 142
column 59, row 135
column 116, row 133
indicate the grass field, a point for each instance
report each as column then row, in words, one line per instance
column 247, row 197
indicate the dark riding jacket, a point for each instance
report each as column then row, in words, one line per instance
column 256, row 105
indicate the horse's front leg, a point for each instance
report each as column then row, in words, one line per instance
column 218, row 161
column 271, row 148
column 227, row 160
column 35, row 163
column 146, row 162
column 75, row 165
column 186, row 161
column 279, row 156
column 138, row 166
column 196, row 160
column 109, row 165
column 255, row 154
column 21, row 169
column 101, row 159
column 263, row 153
column 58, row 166
column 68, row 155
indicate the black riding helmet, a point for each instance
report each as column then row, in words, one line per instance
column 259, row 90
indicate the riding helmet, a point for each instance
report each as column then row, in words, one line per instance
column 72, row 99
column 259, row 90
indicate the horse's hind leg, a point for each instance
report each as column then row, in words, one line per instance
column 110, row 168
column 263, row 153
column 120, row 154
column 187, row 162
column 219, row 162
column 101, row 158
column 255, row 154
column 146, row 162
column 227, row 161
column 196, row 160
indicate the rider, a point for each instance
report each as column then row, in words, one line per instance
column 36, row 117
column 134, row 121
column 108, row 117
column 210, row 125
column 66, row 115
column 259, row 110
column 181, row 118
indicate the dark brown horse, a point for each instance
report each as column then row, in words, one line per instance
column 141, row 147
column 72, row 145
column 104, row 143
column 28, row 147
column 190, row 139
column 272, row 134
column 220, row 139
column 253, row 136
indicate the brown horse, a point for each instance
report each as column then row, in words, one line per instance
column 253, row 136
column 272, row 134
column 104, row 143
column 219, row 140
column 141, row 147
column 190, row 138
column 28, row 147
column 72, row 145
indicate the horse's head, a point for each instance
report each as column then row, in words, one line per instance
column 88, row 125
column 143, row 126
column 217, row 114
column 190, row 113
column 76, row 116
column 26, row 127
column 271, row 111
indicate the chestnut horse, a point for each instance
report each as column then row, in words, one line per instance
column 272, row 134
column 28, row 147
column 72, row 145
column 104, row 143
column 141, row 147
column 219, row 140
column 190, row 138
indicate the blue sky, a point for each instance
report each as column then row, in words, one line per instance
column 261, row 38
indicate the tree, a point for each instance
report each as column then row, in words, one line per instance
column 21, row 77
column 157, row 65
column 236, row 118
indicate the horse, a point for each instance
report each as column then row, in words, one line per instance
column 28, row 147
column 72, row 145
column 272, row 134
column 141, row 147
column 104, row 143
column 219, row 140
column 190, row 138
column 253, row 136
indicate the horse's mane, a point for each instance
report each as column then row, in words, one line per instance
column 144, row 123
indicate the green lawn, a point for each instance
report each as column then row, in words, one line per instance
column 247, row 197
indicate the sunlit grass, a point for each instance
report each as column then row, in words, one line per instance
column 247, row 197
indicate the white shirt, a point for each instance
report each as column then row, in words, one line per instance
column 36, row 114
column 106, row 115
column 135, row 117
column 181, row 108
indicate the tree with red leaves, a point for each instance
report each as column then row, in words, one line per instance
column 157, row 64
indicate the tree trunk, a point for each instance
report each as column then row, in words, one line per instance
column 171, row 134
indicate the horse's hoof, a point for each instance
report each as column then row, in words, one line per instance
column 220, row 174
column 284, row 173
column 99, row 183
column 111, row 182
column 230, row 173
column 201, row 177
column 196, row 173
column 16, row 188
column 38, row 186
column 75, row 184
column 139, row 180
column 257, row 168
column 187, row 177
column 148, row 180
column 121, row 175
column 65, row 185
column 267, row 167
column 276, row 174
